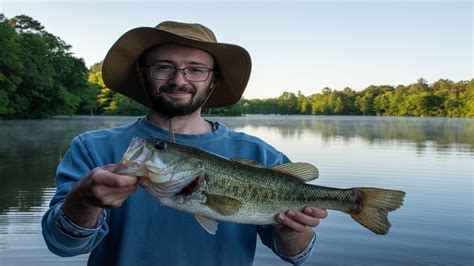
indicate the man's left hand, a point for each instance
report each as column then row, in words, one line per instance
column 294, row 229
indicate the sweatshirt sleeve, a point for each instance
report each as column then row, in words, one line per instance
column 62, row 236
column 267, row 235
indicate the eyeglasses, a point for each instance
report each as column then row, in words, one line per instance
column 167, row 72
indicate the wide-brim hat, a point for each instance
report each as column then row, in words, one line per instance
column 119, row 70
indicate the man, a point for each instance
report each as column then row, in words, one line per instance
column 175, row 69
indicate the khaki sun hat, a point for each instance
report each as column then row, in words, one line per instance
column 119, row 70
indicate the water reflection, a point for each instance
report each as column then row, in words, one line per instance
column 31, row 150
column 445, row 133
column 429, row 158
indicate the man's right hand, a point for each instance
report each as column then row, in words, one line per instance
column 101, row 188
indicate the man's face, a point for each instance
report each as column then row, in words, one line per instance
column 177, row 96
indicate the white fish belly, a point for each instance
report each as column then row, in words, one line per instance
column 245, row 215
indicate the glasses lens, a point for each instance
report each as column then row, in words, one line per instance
column 166, row 72
column 162, row 72
column 196, row 73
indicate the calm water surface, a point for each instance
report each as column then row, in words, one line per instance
column 431, row 159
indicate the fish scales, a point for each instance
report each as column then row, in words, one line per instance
column 256, row 185
column 240, row 191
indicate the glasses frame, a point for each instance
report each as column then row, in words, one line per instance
column 183, row 70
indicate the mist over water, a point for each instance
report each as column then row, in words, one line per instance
column 431, row 159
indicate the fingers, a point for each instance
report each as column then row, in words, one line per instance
column 287, row 220
column 104, row 176
column 106, row 197
column 298, row 221
column 114, row 180
column 103, row 188
column 316, row 212
column 102, row 192
column 115, row 198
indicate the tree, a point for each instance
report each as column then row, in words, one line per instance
column 39, row 77
column 10, row 67
column 42, row 79
column 348, row 97
column 468, row 99
column 105, row 95
column 109, row 102
column 365, row 101
column 287, row 103
column 25, row 23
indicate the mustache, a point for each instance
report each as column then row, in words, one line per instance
column 174, row 88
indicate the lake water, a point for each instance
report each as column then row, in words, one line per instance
column 431, row 159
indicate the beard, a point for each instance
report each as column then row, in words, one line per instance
column 171, row 108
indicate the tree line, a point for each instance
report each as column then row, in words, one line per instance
column 40, row 77
column 442, row 98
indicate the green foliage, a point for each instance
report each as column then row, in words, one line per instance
column 109, row 102
column 442, row 98
column 39, row 77
column 365, row 101
column 468, row 100
column 104, row 94
column 234, row 110
column 123, row 105
column 25, row 23
column 10, row 66
column 42, row 79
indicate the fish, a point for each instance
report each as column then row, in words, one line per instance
column 238, row 190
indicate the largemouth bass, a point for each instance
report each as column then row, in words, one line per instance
column 242, row 191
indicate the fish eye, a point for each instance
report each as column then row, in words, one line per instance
column 160, row 146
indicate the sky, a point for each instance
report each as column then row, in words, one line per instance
column 295, row 45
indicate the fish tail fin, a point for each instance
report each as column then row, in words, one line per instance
column 372, row 208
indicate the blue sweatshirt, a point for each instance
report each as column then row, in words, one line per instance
column 143, row 232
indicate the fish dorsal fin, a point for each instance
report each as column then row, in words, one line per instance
column 303, row 171
column 210, row 225
column 248, row 162
column 222, row 204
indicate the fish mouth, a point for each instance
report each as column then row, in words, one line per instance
column 191, row 187
column 175, row 182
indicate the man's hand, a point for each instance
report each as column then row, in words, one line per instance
column 101, row 188
column 294, row 229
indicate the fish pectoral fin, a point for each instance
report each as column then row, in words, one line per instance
column 210, row 225
column 248, row 162
column 222, row 204
column 302, row 171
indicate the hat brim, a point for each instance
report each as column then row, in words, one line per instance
column 119, row 71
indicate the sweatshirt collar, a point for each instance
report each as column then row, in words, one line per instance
column 219, row 131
